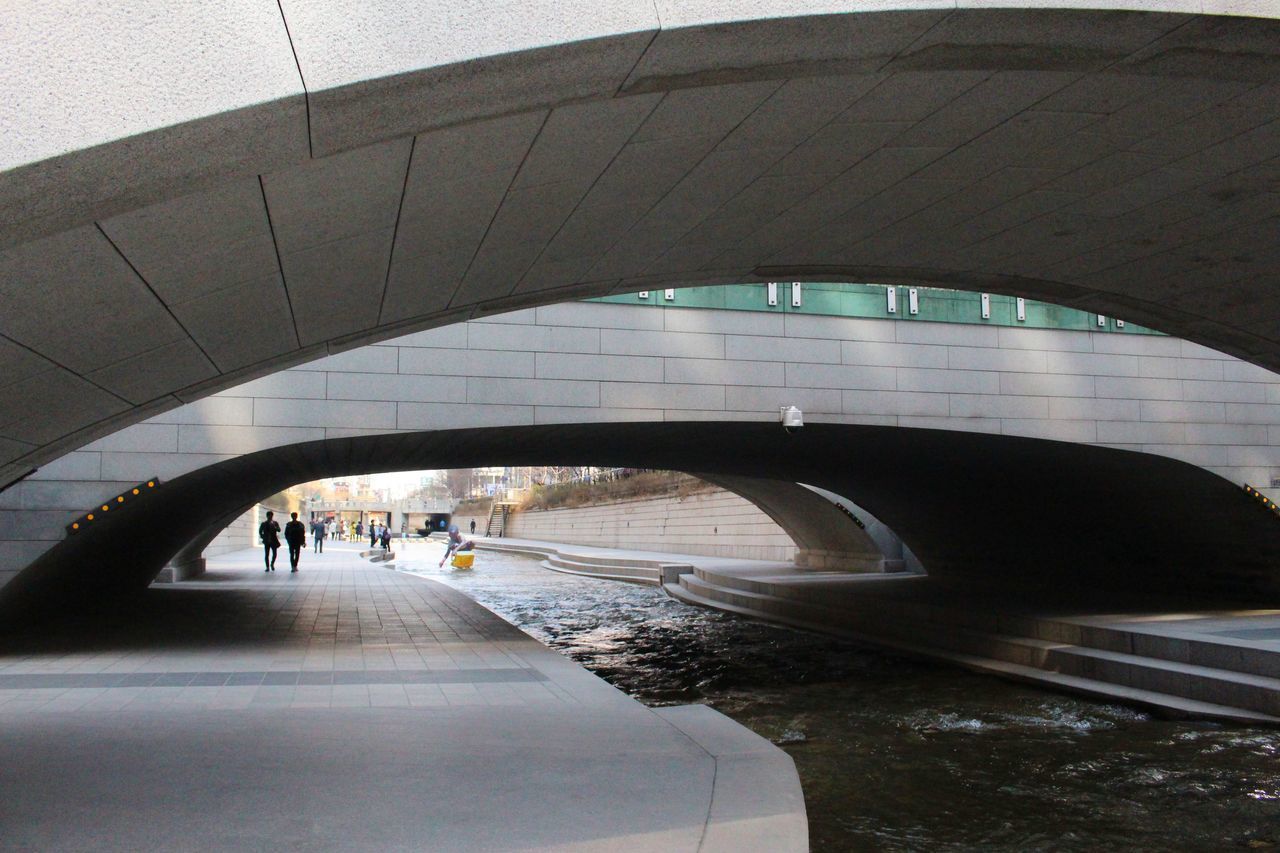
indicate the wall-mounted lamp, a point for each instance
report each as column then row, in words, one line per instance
column 795, row 294
column 791, row 417
column 986, row 306
column 913, row 300
column 773, row 293
column 891, row 299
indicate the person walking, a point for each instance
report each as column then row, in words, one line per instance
column 269, row 535
column 373, row 534
column 295, row 533
column 385, row 536
column 473, row 527
column 317, row 535
column 359, row 530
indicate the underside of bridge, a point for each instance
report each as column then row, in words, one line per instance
column 1018, row 520
column 182, row 212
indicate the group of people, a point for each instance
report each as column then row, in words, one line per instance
column 295, row 535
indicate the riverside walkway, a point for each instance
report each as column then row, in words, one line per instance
column 349, row 707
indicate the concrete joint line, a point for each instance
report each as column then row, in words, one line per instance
column 306, row 94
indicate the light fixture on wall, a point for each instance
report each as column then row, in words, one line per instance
column 791, row 417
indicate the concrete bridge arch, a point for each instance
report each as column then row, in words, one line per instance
column 260, row 185
column 1052, row 522
column 437, row 399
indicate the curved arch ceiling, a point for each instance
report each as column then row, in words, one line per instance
column 228, row 192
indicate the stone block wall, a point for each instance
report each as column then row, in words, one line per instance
column 241, row 533
column 591, row 362
column 712, row 523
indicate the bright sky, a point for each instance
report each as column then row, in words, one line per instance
column 400, row 482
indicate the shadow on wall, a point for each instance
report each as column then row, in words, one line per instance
column 1026, row 520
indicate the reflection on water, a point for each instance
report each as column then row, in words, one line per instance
column 900, row 755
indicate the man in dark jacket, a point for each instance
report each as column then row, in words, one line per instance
column 317, row 534
column 269, row 535
column 295, row 533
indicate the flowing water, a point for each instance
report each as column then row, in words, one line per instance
column 900, row 755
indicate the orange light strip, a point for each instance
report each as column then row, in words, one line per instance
column 1261, row 498
column 119, row 500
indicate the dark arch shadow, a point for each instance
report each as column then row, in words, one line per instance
column 1015, row 519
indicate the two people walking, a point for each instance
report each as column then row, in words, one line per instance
column 295, row 534
column 379, row 534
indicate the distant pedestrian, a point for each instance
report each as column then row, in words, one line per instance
column 295, row 533
column 386, row 539
column 473, row 527
column 373, row 534
column 317, row 535
column 269, row 535
column 359, row 530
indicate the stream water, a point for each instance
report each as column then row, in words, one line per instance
column 900, row 755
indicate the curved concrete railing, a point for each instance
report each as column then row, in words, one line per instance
column 193, row 197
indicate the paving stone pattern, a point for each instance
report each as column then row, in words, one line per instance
column 349, row 707
column 337, row 633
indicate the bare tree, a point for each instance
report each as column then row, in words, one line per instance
column 459, row 481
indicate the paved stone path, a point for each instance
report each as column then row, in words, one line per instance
column 351, row 707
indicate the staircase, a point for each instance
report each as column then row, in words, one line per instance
column 1203, row 676
column 605, row 567
column 498, row 515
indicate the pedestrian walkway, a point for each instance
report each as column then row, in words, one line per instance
column 349, row 707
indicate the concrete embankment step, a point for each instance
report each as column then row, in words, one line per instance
column 1254, row 692
column 1216, row 652
column 587, row 564
column 630, row 574
column 1020, row 647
